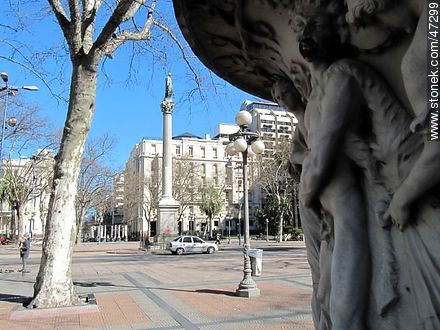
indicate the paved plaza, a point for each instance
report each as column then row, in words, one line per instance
column 136, row 289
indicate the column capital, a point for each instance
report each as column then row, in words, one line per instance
column 167, row 105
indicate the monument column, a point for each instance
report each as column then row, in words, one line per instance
column 168, row 206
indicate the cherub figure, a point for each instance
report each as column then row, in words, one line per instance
column 286, row 94
column 350, row 111
column 408, row 17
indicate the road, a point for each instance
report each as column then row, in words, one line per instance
column 168, row 291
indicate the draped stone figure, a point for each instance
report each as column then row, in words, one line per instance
column 354, row 74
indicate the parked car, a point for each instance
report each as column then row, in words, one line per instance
column 191, row 244
column 4, row 240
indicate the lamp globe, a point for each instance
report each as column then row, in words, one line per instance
column 243, row 118
column 240, row 145
column 258, row 147
column 230, row 149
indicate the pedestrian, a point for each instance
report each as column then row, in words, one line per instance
column 24, row 245
column 217, row 239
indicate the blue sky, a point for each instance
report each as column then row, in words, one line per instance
column 128, row 108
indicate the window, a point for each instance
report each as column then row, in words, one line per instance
column 203, row 174
column 197, row 240
column 216, row 223
column 187, row 240
column 191, row 151
column 178, row 150
column 203, row 151
column 153, row 149
column 215, row 151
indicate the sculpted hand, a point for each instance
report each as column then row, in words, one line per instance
column 398, row 212
column 382, row 217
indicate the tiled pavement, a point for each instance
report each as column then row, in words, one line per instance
column 143, row 290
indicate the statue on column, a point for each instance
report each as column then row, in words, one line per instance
column 167, row 104
column 168, row 86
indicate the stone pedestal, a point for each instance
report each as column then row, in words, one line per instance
column 167, row 220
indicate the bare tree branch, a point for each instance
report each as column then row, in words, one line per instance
column 34, row 72
column 61, row 16
column 110, row 27
column 170, row 33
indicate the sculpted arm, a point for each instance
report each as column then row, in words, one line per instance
column 341, row 99
column 424, row 176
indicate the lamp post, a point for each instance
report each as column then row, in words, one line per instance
column 267, row 230
column 228, row 219
column 8, row 91
column 245, row 142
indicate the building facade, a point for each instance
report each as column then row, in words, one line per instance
column 272, row 122
column 198, row 164
column 27, row 198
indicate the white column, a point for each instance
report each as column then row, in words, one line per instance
column 168, row 206
column 167, row 165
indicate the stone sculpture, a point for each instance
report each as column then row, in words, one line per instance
column 354, row 74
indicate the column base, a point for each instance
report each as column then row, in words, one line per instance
column 248, row 292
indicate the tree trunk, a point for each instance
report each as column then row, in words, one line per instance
column 42, row 208
column 13, row 223
column 280, row 228
column 54, row 286
column 79, row 216
column 148, row 231
column 19, row 219
column 295, row 205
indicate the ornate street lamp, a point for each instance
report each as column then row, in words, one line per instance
column 245, row 142
column 8, row 91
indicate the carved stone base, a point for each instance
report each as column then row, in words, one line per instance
column 248, row 292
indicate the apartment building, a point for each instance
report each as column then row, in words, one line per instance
column 204, row 163
column 198, row 163
column 28, row 203
column 272, row 122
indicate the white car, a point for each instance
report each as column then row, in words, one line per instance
column 191, row 244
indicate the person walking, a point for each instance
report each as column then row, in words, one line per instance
column 24, row 245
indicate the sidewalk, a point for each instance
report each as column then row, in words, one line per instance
column 142, row 290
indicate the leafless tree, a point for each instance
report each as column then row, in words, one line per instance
column 21, row 184
column 186, row 183
column 275, row 181
column 27, row 131
column 87, row 47
column 95, row 179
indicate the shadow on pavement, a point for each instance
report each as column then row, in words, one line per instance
column 93, row 284
column 98, row 284
column 212, row 291
column 13, row 298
